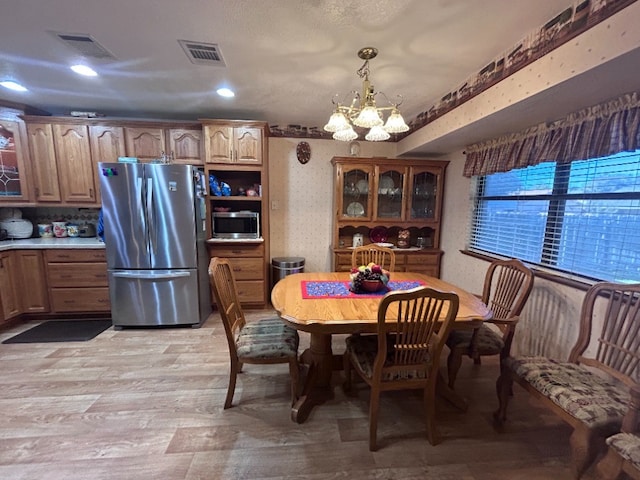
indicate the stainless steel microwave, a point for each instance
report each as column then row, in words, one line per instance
column 235, row 225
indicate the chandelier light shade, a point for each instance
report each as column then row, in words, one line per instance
column 363, row 112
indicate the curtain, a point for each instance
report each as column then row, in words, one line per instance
column 595, row 131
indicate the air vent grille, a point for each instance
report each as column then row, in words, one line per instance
column 202, row 53
column 85, row 45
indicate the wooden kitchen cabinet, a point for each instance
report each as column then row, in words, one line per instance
column 8, row 287
column 13, row 161
column 75, row 165
column 233, row 143
column 43, row 161
column 32, row 281
column 379, row 197
column 144, row 143
column 249, row 269
column 77, row 280
column 185, row 145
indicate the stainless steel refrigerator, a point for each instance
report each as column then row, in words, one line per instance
column 154, row 232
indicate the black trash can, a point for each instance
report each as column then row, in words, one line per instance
column 283, row 266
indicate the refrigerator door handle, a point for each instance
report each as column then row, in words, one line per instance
column 153, row 233
column 139, row 205
column 150, row 276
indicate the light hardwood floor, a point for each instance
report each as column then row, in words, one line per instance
column 147, row 404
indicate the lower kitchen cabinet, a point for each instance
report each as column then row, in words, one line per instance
column 249, row 269
column 77, row 280
column 8, row 288
column 32, row 281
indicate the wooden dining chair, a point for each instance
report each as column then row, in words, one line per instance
column 263, row 341
column 405, row 354
column 383, row 256
column 507, row 286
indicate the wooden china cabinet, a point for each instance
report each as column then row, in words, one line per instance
column 382, row 199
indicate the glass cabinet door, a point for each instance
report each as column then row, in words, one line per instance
column 12, row 175
column 356, row 191
column 389, row 195
column 424, row 192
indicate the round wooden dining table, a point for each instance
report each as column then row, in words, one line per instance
column 310, row 303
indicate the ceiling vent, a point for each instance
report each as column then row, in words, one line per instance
column 85, row 45
column 202, row 53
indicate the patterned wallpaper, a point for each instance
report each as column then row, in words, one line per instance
column 300, row 225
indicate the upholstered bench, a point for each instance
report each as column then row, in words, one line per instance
column 590, row 391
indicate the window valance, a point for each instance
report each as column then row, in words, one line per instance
column 595, row 131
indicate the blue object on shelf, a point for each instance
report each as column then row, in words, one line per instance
column 214, row 185
column 226, row 189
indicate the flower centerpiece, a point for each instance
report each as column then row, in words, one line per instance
column 369, row 278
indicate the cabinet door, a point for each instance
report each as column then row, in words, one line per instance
column 424, row 204
column 75, row 166
column 43, row 158
column 8, row 287
column 354, row 185
column 107, row 144
column 186, row 146
column 248, row 145
column 146, row 144
column 218, row 147
column 33, row 282
column 13, row 184
column 389, row 191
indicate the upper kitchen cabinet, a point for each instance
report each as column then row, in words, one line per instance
column 185, row 145
column 144, row 143
column 62, row 163
column 13, row 162
column 43, row 158
column 234, row 142
column 107, row 143
column 75, row 165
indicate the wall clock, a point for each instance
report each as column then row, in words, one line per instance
column 303, row 151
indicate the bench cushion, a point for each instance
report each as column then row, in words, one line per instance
column 488, row 342
column 584, row 395
column 627, row 445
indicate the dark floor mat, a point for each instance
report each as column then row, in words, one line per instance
column 62, row 331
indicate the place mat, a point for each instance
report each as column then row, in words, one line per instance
column 62, row 331
column 338, row 289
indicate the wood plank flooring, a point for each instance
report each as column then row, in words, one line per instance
column 147, row 404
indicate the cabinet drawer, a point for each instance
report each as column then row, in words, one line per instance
column 69, row 255
column 247, row 268
column 423, row 259
column 77, row 274
column 80, row 299
column 245, row 250
column 251, row 291
column 431, row 270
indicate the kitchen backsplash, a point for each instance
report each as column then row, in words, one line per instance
column 71, row 215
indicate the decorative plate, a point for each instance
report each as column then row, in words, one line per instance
column 355, row 209
column 303, row 152
column 387, row 182
column 378, row 235
column 362, row 186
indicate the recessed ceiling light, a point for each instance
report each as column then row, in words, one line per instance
column 11, row 85
column 225, row 92
column 84, row 70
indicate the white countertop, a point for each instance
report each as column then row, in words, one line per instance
column 42, row 243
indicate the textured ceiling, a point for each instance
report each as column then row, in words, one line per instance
column 285, row 59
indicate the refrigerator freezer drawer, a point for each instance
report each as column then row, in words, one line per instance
column 154, row 297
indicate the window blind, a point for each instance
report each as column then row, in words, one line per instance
column 582, row 218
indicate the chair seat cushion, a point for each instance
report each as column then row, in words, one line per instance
column 268, row 338
column 627, row 445
column 581, row 393
column 362, row 349
column 488, row 342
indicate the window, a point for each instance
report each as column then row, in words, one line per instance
column 581, row 218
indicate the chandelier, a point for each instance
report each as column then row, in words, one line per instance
column 363, row 112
